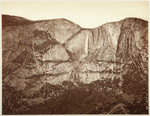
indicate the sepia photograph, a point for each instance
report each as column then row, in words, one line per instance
column 74, row 57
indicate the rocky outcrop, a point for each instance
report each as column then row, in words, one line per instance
column 46, row 60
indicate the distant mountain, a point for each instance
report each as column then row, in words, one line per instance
column 62, row 68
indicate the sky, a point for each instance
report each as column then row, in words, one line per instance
column 86, row 14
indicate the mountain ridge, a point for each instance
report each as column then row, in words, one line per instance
column 108, row 60
column 6, row 15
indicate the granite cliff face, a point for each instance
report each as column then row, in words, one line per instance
column 57, row 67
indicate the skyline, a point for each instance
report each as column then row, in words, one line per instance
column 85, row 14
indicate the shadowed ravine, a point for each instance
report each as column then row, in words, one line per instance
column 57, row 67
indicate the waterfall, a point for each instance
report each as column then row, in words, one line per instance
column 86, row 45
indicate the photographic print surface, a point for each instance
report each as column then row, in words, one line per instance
column 75, row 57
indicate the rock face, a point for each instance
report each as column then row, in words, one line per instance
column 57, row 67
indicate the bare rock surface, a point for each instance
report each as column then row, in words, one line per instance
column 57, row 67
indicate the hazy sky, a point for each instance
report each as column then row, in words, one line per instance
column 86, row 14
